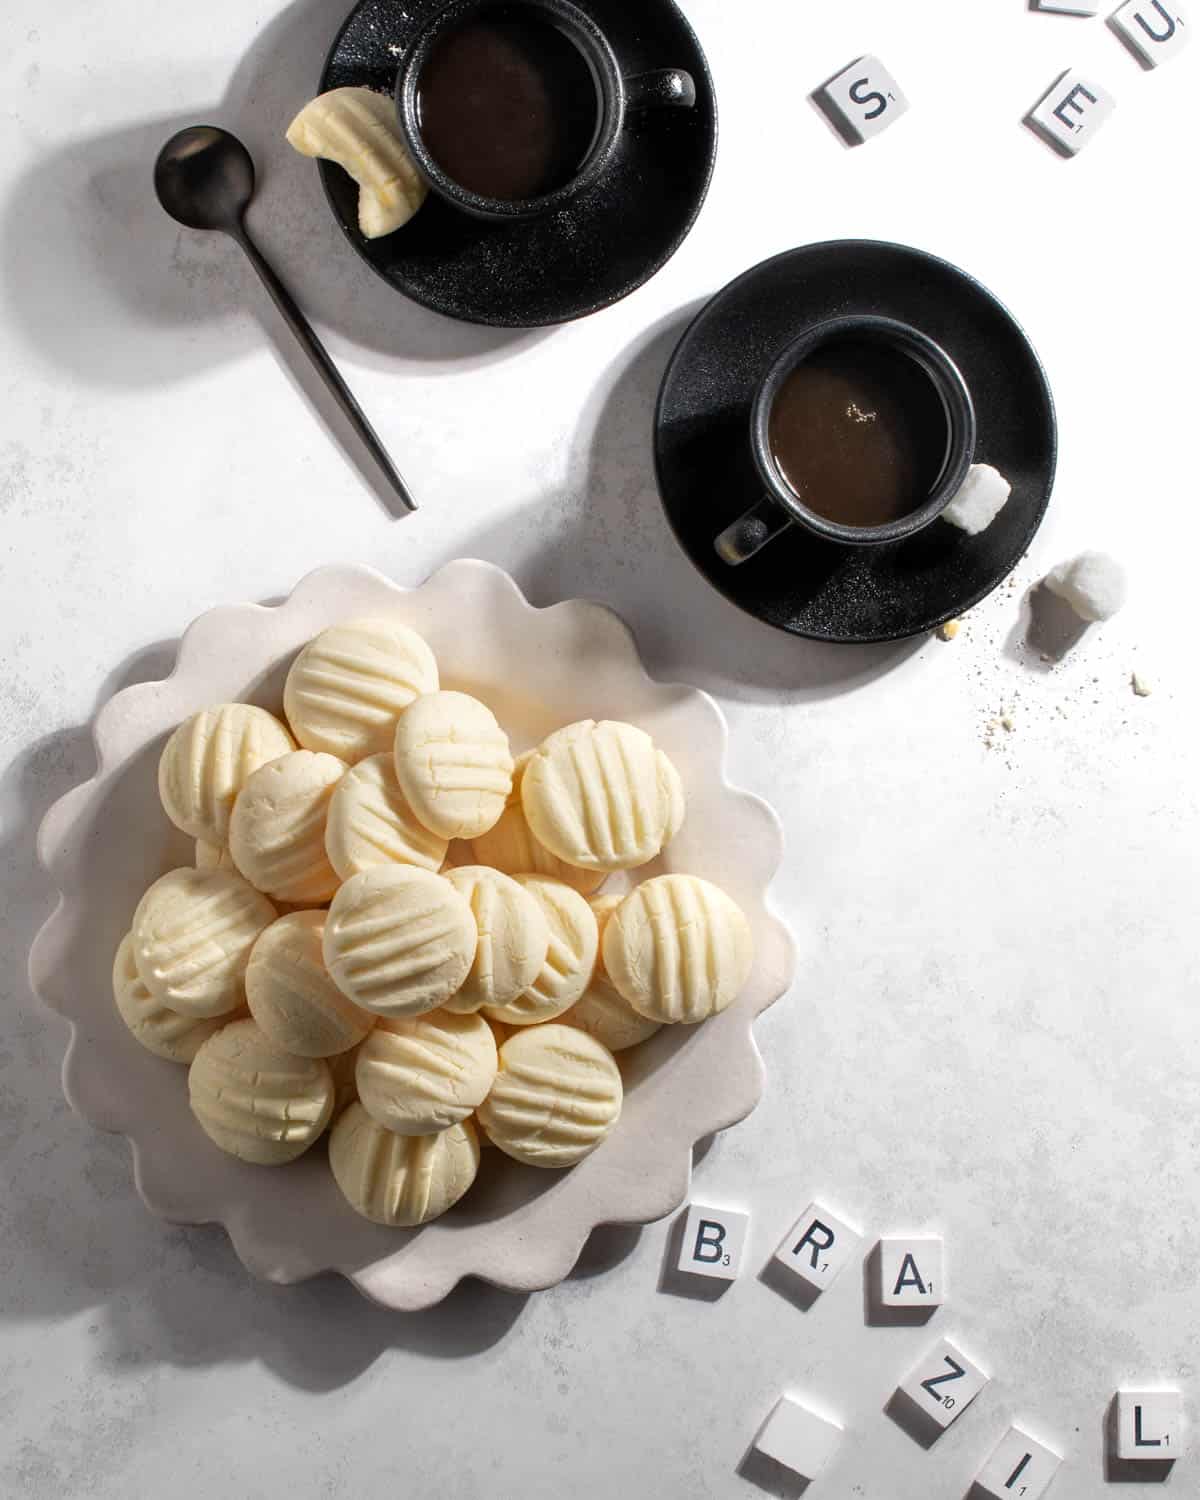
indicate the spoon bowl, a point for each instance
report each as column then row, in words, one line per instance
column 204, row 178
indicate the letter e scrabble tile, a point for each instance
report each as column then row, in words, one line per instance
column 944, row 1383
column 864, row 99
column 713, row 1241
column 1020, row 1468
column 911, row 1272
column 1070, row 112
column 797, row 1438
column 1149, row 1425
column 818, row 1246
column 1153, row 30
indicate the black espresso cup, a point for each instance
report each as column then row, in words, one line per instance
column 511, row 108
column 862, row 432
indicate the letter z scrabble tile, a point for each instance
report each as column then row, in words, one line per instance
column 944, row 1383
column 713, row 1241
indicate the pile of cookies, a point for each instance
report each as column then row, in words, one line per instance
column 396, row 930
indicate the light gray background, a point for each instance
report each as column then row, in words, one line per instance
column 995, row 1033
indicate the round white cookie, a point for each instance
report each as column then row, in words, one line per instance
column 678, row 949
column 401, row 1180
column 670, row 788
column 205, row 763
column 371, row 824
column 291, row 995
column 570, row 957
column 399, row 941
column 596, row 795
column 426, row 1073
column 345, row 1086
column 213, row 856
column 556, row 1096
column 600, row 1010
column 277, row 831
column 347, row 687
column 255, row 1100
column 514, row 938
column 510, row 846
column 161, row 1031
column 192, row 935
column 453, row 764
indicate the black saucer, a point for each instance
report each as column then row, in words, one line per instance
column 706, row 474
column 591, row 253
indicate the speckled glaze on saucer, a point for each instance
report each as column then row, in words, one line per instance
column 593, row 251
column 706, row 474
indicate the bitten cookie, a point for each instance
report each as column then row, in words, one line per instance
column 161, row 1031
column 453, row 764
column 292, row 996
column 398, row 940
column 678, row 949
column 426, row 1073
column 556, row 1096
column 371, row 824
column 205, row 763
column 277, row 831
column 570, row 957
column 514, row 938
column 192, row 935
column 401, row 1180
column 350, row 683
column 255, row 1100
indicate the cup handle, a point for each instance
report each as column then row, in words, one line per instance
column 761, row 524
column 664, row 86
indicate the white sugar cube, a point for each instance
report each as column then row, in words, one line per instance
column 1093, row 584
column 980, row 500
column 1071, row 112
column 797, row 1438
column 1153, row 30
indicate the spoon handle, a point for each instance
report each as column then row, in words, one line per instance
column 326, row 368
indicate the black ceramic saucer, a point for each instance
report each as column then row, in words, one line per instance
column 597, row 249
column 706, row 474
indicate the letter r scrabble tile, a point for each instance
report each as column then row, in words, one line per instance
column 1153, row 30
column 797, row 1438
column 1020, row 1468
column 912, row 1272
column 862, row 100
column 713, row 1241
column 1070, row 112
column 944, row 1383
column 1149, row 1425
column 818, row 1246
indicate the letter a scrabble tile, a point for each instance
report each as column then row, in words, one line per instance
column 911, row 1272
column 1153, row 30
column 713, row 1240
column 1020, row 1468
column 1070, row 112
column 798, row 1439
column 863, row 99
column 818, row 1246
column 1149, row 1425
column 944, row 1383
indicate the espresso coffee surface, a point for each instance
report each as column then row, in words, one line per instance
column 508, row 104
column 859, row 433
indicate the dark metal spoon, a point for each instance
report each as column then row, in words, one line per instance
column 204, row 178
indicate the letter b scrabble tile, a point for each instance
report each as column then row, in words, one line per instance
column 1153, row 30
column 911, row 1273
column 1149, row 1425
column 944, row 1383
column 862, row 100
column 1070, row 113
column 1021, row 1468
column 713, row 1240
column 818, row 1246
column 797, row 1438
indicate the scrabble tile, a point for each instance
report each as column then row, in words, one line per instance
column 1067, row 7
column 797, row 1438
column 1153, row 30
column 818, row 1246
column 911, row 1272
column 944, row 1383
column 713, row 1240
column 1021, row 1468
column 864, row 98
column 1071, row 112
column 1149, row 1425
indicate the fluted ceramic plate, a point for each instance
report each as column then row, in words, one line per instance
column 519, row 1228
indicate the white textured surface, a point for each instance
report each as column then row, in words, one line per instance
column 997, row 939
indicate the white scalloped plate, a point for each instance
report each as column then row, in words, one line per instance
column 518, row 1228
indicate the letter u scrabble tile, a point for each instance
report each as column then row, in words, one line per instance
column 1153, row 30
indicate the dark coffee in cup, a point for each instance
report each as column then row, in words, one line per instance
column 508, row 104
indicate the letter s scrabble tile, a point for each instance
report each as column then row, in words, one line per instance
column 713, row 1241
column 862, row 100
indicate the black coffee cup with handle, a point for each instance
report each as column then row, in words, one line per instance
column 512, row 108
column 862, row 432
